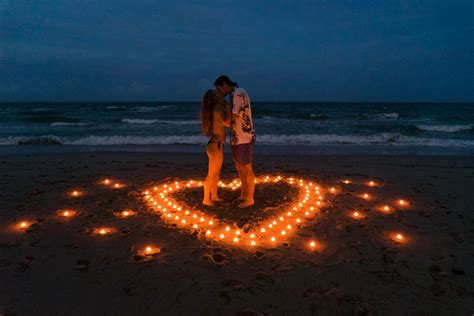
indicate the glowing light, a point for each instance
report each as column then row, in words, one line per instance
column 103, row 231
column 149, row 250
column 23, row 225
column 346, row 181
column 66, row 213
column 304, row 206
column 253, row 243
column 402, row 202
column 398, row 238
column 75, row 193
column 106, row 181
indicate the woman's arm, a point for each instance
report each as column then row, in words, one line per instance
column 228, row 115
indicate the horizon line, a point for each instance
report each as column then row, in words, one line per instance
column 258, row 101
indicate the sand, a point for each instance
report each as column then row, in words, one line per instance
column 59, row 267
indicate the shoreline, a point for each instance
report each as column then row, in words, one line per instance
column 259, row 150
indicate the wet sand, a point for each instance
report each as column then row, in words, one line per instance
column 58, row 266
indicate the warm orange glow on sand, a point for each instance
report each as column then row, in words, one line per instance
column 398, row 237
column 75, row 193
column 23, row 225
column 103, row 231
column 357, row 215
column 402, row 202
column 125, row 213
column 308, row 203
column 149, row 250
column 67, row 213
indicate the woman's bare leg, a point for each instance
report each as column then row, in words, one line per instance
column 216, row 157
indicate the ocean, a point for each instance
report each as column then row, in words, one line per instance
column 282, row 128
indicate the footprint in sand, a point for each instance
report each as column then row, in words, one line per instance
column 82, row 264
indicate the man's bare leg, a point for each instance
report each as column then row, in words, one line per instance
column 249, row 179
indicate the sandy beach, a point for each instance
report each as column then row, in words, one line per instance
column 64, row 266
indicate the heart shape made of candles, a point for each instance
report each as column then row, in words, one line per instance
column 311, row 198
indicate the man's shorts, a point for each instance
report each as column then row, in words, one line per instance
column 242, row 153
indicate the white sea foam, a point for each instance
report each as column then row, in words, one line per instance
column 138, row 140
column 139, row 121
column 393, row 139
column 444, row 128
column 153, row 108
column 153, row 121
column 68, row 124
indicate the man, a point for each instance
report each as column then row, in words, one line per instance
column 242, row 139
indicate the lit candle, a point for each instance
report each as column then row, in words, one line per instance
column 253, row 243
column 23, row 225
column 66, row 213
column 346, row 181
column 104, row 231
column 75, row 193
column 149, row 251
column 398, row 237
column 402, row 202
column 106, row 181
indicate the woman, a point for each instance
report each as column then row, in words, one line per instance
column 215, row 118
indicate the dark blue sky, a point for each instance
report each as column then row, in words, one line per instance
column 144, row 50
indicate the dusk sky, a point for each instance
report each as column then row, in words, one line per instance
column 144, row 50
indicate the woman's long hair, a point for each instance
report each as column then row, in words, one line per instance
column 207, row 107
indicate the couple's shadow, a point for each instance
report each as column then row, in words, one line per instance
column 270, row 199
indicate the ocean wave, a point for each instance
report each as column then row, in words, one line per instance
column 393, row 139
column 138, row 140
column 153, row 121
column 444, row 128
column 68, row 124
column 49, row 119
column 35, row 140
column 378, row 116
column 139, row 121
column 153, row 108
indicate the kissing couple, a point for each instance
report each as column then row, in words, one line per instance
column 217, row 115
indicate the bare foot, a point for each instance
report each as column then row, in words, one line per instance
column 246, row 203
column 217, row 199
column 208, row 203
column 239, row 199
